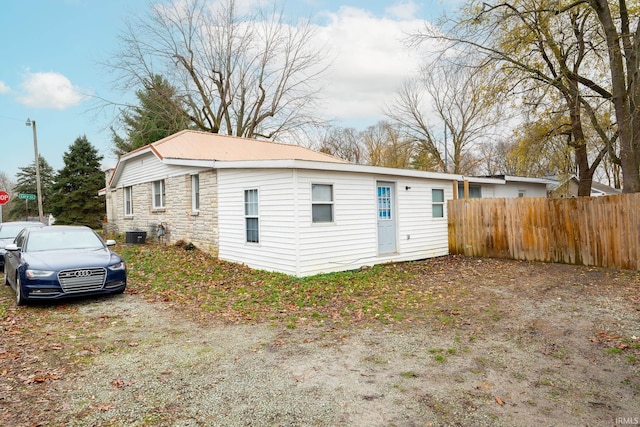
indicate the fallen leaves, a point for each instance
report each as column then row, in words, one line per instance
column 119, row 383
column 43, row 378
column 103, row 407
column 39, row 378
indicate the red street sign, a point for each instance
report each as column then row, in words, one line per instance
column 4, row 197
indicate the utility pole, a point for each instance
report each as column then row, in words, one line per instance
column 35, row 150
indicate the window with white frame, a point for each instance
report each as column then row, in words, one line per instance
column 128, row 201
column 437, row 203
column 158, row 194
column 195, row 193
column 251, row 218
column 322, row 202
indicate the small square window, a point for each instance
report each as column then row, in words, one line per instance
column 322, row 202
column 475, row 191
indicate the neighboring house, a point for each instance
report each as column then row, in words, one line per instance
column 279, row 207
column 568, row 187
column 504, row 186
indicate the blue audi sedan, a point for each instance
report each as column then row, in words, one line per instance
column 62, row 261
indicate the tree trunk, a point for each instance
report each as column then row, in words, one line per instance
column 585, row 173
column 625, row 108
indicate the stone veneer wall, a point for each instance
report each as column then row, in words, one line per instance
column 199, row 228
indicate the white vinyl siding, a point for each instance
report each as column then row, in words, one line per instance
column 421, row 235
column 158, row 194
column 128, row 201
column 351, row 239
column 277, row 201
column 292, row 243
column 149, row 168
column 516, row 189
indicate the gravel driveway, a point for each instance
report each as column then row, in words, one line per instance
column 547, row 358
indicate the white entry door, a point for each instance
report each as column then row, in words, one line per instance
column 386, row 217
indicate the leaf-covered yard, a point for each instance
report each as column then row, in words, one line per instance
column 207, row 287
column 446, row 341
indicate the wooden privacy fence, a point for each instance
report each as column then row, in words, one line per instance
column 599, row 231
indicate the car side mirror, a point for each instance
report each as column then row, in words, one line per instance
column 110, row 242
column 12, row 247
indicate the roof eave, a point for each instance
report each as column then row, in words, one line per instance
column 334, row 167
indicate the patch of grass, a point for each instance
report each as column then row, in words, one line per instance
column 400, row 388
column 376, row 360
column 409, row 374
column 613, row 350
column 234, row 293
column 560, row 354
column 519, row 376
column 440, row 354
column 440, row 358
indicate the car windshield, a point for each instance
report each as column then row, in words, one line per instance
column 9, row 231
column 63, row 240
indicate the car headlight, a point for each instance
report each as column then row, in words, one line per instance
column 118, row 266
column 35, row 274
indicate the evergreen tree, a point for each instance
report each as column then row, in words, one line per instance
column 26, row 184
column 76, row 199
column 158, row 116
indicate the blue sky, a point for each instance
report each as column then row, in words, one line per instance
column 51, row 52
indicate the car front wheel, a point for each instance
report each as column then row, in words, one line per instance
column 20, row 300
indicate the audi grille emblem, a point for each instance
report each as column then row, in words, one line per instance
column 82, row 273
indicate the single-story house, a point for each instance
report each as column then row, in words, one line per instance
column 504, row 186
column 279, row 207
column 568, row 187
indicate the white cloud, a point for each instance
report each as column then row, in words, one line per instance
column 49, row 90
column 405, row 11
column 4, row 88
column 370, row 60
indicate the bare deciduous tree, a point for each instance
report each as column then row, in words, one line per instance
column 247, row 75
column 463, row 108
column 387, row 146
column 343, row 143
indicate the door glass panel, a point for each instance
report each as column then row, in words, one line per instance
column 384, row 202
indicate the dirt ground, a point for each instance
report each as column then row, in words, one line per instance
column 520, row 344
